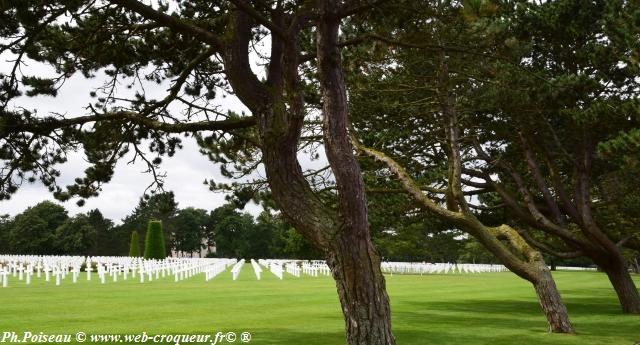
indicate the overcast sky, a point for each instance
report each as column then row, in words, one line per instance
column 186, row 171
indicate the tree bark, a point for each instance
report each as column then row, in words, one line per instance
column 342, row 234
column 361, row 288
column 354, row 262
column 533, row 269
column 551, row 302
column 623, row 284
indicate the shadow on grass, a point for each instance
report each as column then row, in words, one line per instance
column 497, row 322
column 598, row 320
column 486, row 321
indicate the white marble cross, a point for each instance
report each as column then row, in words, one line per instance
column 5, row 277
column 29, row 274
column 58, row 275
column 256, row 268
column 20, row 272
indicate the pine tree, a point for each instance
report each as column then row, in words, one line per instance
column 154, row 241
column 134, row 246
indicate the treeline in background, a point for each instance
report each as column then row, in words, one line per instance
column 47, row 229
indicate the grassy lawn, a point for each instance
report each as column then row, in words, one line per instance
column 488, row 308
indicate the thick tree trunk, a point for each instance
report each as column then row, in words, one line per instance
column 349, row 252
column 278, row 106
column 355, row 265
column 361, row 289
column 624, row 286
column 551, row 302
column 533, row 269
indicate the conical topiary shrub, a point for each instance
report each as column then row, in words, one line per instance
column 134, row 246
column 154, row 241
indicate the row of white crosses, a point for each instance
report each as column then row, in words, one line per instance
column 572, row 268
column 235, row 271
column 293, row 269
column 210, row 268
column 315, row 268
column 24, row 267
column 256, row 268
column 275, row 266
column 58, row 268
column 148, row 270
column 216, row 268
column 438, row 268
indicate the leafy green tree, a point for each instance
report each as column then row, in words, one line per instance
column 203, row 51
column 34, row 230
column 134, row 245
column 281, row 240
column 76, row 236
column 403, row 234
column 189, row 226
column 154, row 247
column 106, row 238
column 298, row 247
column 413, row 121
column 475, row 252
column 232, row 232
column 160, row 206
column 5, row 223
column 550, row 121
column 116, row 241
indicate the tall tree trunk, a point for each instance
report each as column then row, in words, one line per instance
column 623, row 284
column 342, row 235
column 533, row 269
column 550, row 300
column 355, row 265
column 361, row 289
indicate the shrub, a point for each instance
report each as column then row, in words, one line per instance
column 134, row 246
column 154, row 241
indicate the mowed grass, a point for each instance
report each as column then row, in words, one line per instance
column 488, row 308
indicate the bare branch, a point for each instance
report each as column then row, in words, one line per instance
column 50, row 124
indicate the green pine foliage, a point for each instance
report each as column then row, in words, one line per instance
column 134, row 246
column 154, row 241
